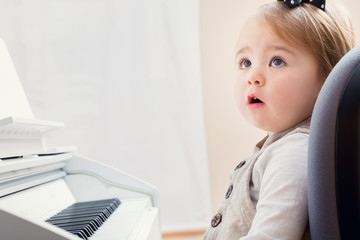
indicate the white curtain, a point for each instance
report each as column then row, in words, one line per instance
column 124, row 76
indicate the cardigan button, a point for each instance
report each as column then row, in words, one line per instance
column 242, row 163
column 216, row 220
column 229, row 191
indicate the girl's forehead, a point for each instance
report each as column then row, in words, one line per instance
column 255, row 32
column 258, row 32
column 254, row 26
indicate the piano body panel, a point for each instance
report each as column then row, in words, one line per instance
column 40, row 202
column 89, row 187
column 13, row 226
column 81, row 165
column 147, row 231
column 23, row 214
column 31, row 162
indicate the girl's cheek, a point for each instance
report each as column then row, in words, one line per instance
column 239, row 97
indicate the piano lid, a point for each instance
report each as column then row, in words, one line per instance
column 13, row 101
column 20, row 133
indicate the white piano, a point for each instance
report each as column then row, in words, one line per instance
column 37, row 181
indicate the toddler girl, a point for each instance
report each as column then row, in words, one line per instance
column 284, row 54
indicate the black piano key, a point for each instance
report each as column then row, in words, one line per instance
column 96, row 206
column 104, row 213
column 79, row 228
column 85, row 207
column 84, row 218
column 70, row 217
column 79, row 211
column 104, row 208
column 79, row 233
column 83, row 228
column 79, row 215
column 94, row 218
column 93, row 224
column 94, row 203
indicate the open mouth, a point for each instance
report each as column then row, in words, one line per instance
column 254, row 100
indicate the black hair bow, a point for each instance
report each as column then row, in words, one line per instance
column 317, row 3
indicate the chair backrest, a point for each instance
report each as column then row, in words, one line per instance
column 334, row 154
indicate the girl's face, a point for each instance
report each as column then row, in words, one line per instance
column 276, row 82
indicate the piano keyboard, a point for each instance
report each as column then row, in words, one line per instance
column 84, row 218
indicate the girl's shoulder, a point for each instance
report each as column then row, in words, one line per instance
column 288, row 152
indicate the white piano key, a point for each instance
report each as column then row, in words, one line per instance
column 148, row 226
column 124, row 220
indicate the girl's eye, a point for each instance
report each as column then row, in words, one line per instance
column 244, row 63
column 277, row 62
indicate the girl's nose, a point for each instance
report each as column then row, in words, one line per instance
column 256, row 80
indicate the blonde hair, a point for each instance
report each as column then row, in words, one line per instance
column 328, row 34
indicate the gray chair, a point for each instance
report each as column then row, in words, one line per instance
column 334, row 154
